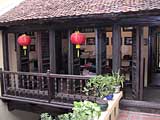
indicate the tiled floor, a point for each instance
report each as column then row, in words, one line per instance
column 129, row 115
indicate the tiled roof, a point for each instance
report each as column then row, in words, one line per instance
column 38, row 9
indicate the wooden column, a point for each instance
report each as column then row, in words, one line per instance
column 116, row 48
column 18, row 53
column 39, row 51
column 70, row 54
column 5, row 50
column 100, row 50
column 142, row 62
column 52, row 50
column 137, row 64
column 151, row 38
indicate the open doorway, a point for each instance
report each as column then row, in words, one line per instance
column 155, row 60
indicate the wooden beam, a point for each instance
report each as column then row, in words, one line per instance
column 70, row 54
column 5, row 50
column 116, row 48
column 52, row 47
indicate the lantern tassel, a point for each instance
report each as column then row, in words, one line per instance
column 25, row 50
column 78, row 47
column 78, row 53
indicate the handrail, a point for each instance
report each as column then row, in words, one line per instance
column 51, row 74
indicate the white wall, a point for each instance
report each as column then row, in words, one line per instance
column 16, row 114
column 12, row 53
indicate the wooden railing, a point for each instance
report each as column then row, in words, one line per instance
column 44, row 86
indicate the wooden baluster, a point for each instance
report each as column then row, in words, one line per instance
column 61, row 85
column 19, row 83
column 10, row 84
column 28, row 81
column 43, row 86
column 32, row 82
column 33, row 85
column 49, row 86
column 38, row 85
column 68, row 86
column 81, row 86
column 22, row 80
column 9, row 80
column 14, row 83
column 55, row 86
column 23, row 84
column 74, row 86
column 42, row 83
column 61, row 88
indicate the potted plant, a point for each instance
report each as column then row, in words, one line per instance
column 110, row 90
column 117, row 81
column 94, row 86
column 100, row 86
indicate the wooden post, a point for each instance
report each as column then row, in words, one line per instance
column 5, row 50
column 18, row 53
column 52, row 50
column 100, row 50
column 151, row 37
column 142, row 61
column 70, row 55
column 39, row 51
column 3, row 90
column 116, row 48
column 137, row 64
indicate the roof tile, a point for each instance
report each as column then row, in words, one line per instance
column 37, row 9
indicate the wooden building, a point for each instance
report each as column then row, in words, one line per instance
column 121, row 35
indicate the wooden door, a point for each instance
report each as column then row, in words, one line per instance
column 155, row 59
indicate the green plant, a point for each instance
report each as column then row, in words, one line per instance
column 96, row 86
column 100, row 86
column 117, row 79
column 69, row 116
column 46, row 116
column 83, row 111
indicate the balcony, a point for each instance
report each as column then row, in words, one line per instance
column 44, row 89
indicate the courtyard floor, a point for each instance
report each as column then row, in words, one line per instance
column 129, row 115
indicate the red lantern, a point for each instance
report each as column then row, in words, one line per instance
column 78, row 38
column 24, row 40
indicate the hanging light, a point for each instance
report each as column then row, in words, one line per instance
column 77, row 39
column 24, row 40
